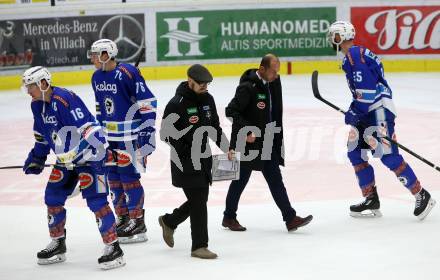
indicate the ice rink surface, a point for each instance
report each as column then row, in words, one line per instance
column 318, row 177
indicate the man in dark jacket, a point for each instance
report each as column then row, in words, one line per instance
column 187, row 117
column 258, row 103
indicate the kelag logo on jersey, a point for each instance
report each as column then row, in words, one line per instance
column 105, row 87
column 398, row 30
column 50, row 120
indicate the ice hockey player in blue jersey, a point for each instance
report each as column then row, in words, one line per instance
column 126, row 109
column 63, row 124
column 371, row 115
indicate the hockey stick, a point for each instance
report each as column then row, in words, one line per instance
column 20, row 166
column 319, row 97
column 67, row 165
column 141, row 54
column 56, row 164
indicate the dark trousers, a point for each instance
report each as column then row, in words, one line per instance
column 272, row 173
column 195, row 208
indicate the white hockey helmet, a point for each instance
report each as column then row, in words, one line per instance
column 35, row 75
column 103, row 45
column 345, row 30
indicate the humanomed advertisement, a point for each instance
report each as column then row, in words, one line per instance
column 243, row 33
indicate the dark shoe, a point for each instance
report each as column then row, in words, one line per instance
column 203, row 253
column 232, row 224
column 167, row 233
column 112, row 257
column 297, row 222
column 424, row 204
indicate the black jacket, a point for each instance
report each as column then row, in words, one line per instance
column 251, row 107
column 194, row 110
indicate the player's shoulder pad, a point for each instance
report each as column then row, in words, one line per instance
column 62, row 96
column 370, row 55
column 95, row 74
column 344, row 61
column 353, row 55
column 128, row 69
column 367, row 51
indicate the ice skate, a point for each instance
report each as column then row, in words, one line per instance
column 134, row 231
column 54, row 252
column 368, row 208
column 112, row 257
column 424, row 204
column 122, row 221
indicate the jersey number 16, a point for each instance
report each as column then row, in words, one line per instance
column 77, row 114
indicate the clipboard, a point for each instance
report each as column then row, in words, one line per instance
column 224, row 169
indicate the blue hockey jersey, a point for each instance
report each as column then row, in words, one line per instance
column 123, row 102
column 65, row 126
column 365, row 76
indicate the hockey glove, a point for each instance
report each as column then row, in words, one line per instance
column 146, row 141
column 353, row 117
column 97, row 166
column 97, row 161
column 34, row 164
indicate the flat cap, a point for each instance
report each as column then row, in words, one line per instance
column 199, row 73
